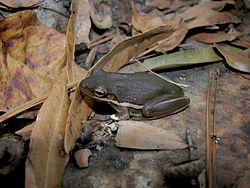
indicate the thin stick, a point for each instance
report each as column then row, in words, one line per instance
column 102, row 40
column 160, row 76
column 210, row 129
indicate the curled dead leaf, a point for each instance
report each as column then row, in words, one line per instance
column 145, row 22
column 101, row 17
column 140, row 135
column 235, row 59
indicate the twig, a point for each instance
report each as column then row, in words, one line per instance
column 102, row 40
column 210, row 128
column 160, row 76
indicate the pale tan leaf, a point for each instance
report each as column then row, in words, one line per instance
column 140, row 135
column 79, row 110
column 47, row 158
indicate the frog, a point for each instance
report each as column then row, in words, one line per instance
column 138, row 96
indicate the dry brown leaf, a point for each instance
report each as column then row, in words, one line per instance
column 82, row 22
column 102, row 16
column 211, row 17
column 29, row 58
column 242, row 42
column 47, row 159
column 201, row 8
column 174, row 40
column 145, row 22
column 216, row 37
column 78, row 111
column 20, row 3
column 235, row 60
column 140, row 135
column 133, row 46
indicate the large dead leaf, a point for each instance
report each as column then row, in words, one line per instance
column 140, row 135
column 29, row 58
column 211, row 17
column 46, row 158
column 133, row 46
column 235, row 59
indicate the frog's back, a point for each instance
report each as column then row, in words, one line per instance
column 140, row 87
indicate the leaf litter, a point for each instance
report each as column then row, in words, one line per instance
column 30, row 70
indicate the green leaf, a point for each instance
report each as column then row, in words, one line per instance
column 179, row 59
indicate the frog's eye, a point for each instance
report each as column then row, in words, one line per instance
column 100, row 92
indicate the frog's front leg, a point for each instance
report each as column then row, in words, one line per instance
column 164, row 105
column 122, row 112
